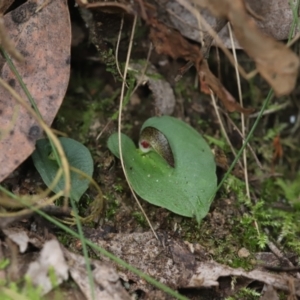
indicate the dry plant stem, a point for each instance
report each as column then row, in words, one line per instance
column 243, row 121
column 222, row 126
column 30, row 200
column 96, row 207
column 278, row 253
column 29, row 210
column 241, row 135
column 60, row 133
column 45, row 127
column 218, row 63
column 125, row 7
column 242, row 115
column 141, row 79
column 183, row 70
column 294, row 40
column 271, row 110
column 45, row 3
column 117, row 48
column 101, row 132
column 120, row 124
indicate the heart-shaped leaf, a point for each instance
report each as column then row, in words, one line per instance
column 189, row 188
column 78, row 157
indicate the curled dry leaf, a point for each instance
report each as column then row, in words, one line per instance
column 276, row 63
column 44, row 39
column 209, row 81
column 170, row 42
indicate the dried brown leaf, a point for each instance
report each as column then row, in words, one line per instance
column 44, row 40
column 209, row 81
column 170, row 42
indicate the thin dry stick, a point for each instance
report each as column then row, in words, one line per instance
column 125, row 7
column 238, row 79
column 272, row 110
column 280, row 255
column 24, row 201
column 295, row 39
column 141, row 79
column 240, row 133
column 101, row 132
column 117, row 47
column 243, row 121
column 222, row 126
column 120, row 124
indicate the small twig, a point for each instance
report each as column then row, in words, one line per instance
column 127, row 8
column 183, row 70
column 272, row 110
column 294, row 40
column 278, row 253
column 117, row 48
column 141, row 78
column 101, row 132
column 222, row 126
column 238, row 79
column 243, row 123
column 120, row 124
column 44, row 4
column 241, row 135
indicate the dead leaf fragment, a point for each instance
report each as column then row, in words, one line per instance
column 51, row 256
column 170, row 42
column 22, row 238
column 44, row 39
column 106, row 280
column 209, row 81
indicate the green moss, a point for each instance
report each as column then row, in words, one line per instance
column 140, row 219
column 245, row 294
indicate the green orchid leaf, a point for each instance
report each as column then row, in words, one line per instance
column 187, row 189
column 78, row 157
